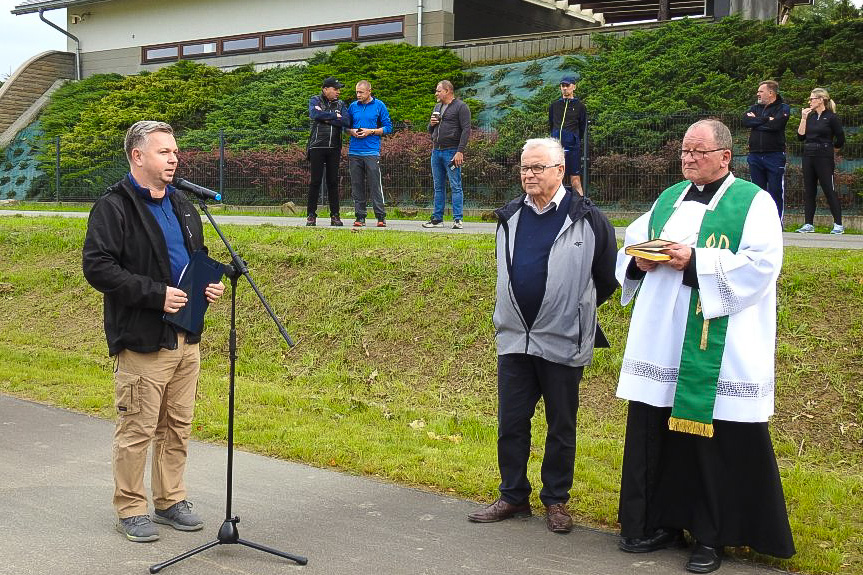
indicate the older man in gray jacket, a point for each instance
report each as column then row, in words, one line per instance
column 556, row 257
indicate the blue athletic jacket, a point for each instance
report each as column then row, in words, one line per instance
column 372, row 116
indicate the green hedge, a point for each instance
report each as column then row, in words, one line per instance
column 684, row 66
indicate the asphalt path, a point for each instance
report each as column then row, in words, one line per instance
column 56, row 517
column 845, row 241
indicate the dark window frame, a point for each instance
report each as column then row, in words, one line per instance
column 222, row 41
column 145, row 49
column 304, row 39
column 305, row 42
column 215, row 52
column 400, row 34
column 345, row 26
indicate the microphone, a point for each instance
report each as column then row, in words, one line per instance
column 200, row 191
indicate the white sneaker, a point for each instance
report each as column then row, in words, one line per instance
column 433, row 224
column 838, row 229
column 806, row 229
column 457, row 225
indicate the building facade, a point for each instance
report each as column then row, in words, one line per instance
column 130, row 36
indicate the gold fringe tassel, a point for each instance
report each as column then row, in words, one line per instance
column 688, row 426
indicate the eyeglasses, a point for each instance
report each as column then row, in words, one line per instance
column 537, row 169
column 698, row 154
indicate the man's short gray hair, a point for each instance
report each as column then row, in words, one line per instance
column 137, row 134
column 551, row 145
column 721, row 134
column 446, row 85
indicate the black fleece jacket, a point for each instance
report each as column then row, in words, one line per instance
column 767, row 135
column 125, row 257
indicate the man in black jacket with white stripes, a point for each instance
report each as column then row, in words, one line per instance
column 328, row 116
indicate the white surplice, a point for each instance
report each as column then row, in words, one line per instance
column 740, row 285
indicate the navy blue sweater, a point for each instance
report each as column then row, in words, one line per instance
column 534, row 237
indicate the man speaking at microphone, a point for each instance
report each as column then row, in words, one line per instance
column 140, row 236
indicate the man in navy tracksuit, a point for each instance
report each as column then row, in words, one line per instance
column 556, row 255
column 766, row 157
column 567, row 122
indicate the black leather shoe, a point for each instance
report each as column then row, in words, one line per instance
column 704, row 559
column 660, row 539
column 498, row 511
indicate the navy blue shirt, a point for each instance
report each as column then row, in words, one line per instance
column 163, row 211
column 534, row 237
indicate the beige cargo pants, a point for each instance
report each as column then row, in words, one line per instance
column 154, row 394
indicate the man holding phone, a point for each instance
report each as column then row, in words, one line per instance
column 370, row 120
column 449, row 127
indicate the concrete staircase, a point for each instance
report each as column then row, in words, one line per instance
column 571, row 9
column 26, row 92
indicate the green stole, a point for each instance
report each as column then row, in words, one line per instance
column 704, row 340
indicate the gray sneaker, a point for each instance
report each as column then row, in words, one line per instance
column 138, row 529
column 805, row 229
column 179, row 516
column 457, row 225
column 838, row 229
column 433, row 224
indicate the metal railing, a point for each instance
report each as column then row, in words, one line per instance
column 626, row 164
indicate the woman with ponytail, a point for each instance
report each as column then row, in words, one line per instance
column 821, row 133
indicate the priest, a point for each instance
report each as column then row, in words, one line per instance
column 698, row 369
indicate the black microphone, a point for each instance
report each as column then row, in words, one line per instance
column 200, row 191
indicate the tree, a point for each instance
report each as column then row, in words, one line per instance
column 826, row 10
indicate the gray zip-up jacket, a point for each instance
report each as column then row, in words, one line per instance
column 581, row 268
column 453, row 131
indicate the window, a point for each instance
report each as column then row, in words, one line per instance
column 161, row 53
column 199, row 49
column 275, row 40
column 292, row 39
column 380, row 29
column 331, row 35
column 241, row 44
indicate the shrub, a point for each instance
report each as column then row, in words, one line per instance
column 533, row 69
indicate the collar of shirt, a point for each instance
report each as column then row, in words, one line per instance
column 555, row 201
column 145, row 192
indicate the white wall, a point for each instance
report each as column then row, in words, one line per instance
column 131, row 23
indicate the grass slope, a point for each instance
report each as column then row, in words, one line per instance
column 394, row 372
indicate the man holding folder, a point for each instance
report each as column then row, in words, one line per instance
column 140, row 237
column 698, row 366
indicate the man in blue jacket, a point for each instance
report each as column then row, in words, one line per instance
column 369, row 121
column 556, row 256
column 766, row 157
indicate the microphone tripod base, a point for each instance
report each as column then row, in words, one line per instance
column 229, row 535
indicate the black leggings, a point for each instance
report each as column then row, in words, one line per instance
column 819, row 169
column 324, row 160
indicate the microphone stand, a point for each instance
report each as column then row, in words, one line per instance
column 228, row 533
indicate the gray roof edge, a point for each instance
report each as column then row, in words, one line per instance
column 32, row 6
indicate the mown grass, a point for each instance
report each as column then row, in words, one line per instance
column 393, row 374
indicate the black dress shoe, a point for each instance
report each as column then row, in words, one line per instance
column 660, row 539
column 498, row 511
column 704, row 559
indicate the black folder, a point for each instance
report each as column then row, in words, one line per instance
column 201, row 272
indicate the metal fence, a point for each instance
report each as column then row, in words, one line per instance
column 627, row 161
